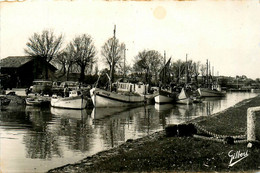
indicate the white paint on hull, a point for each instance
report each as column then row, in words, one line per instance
column 103, row 98
column 69, row 102
column 163, row 99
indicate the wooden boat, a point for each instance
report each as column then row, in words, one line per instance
column 212, row 88
column 103, row 98
column 35, row 102
column 74, row 101
column 208, row 92
column 165, row 96
column 184, row 98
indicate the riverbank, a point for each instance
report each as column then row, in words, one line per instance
column 159, row 153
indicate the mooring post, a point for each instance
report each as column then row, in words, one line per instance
column 251, row 123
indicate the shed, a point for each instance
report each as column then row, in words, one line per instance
column 24, row 69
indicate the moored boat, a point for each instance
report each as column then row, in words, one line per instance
column 74, row 101
column 184, row 98
column 103, row 98
column 207, row 92
column 35, row 102
column 164, row 96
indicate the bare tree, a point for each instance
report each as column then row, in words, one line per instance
column 66, row 60
column 83, row 51
column 45, row 46
column 112, row 51
column 60, row 60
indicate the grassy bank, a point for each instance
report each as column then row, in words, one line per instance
column 159, row 153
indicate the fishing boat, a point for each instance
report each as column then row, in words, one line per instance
column 104, row 98
column 35, row 102
column 165, row 93
column 212, row 89
column 184, row 98
column 165, row 96
column 207, row 92
column 74, row 101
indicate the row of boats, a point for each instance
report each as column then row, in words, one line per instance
column 125, row 94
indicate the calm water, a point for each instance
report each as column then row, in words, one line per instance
column 36, row 139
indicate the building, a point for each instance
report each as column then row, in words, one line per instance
column 22, row 70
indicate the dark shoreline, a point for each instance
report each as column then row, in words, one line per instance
column 157, row 153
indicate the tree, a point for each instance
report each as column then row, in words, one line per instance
column 178, row 69
column 112, row 52
column 66, row 60
column 83, row 51
column 149, row 63
column 45, row 46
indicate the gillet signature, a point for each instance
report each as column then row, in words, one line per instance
column 236, row 157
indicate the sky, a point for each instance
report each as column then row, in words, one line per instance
column 227, row 33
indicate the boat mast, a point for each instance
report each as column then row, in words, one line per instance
column 124, row 60
column 187, row 75
column 207, row 75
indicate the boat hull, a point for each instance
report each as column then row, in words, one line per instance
column 184, row 98
column 165, row 97
column 103, row 98
column 206, row 92
column 77, row 102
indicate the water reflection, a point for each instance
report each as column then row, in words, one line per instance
column 51, row 137
column 40, row 143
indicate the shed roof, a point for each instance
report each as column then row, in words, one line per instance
column 18, row 61
column 15, row 61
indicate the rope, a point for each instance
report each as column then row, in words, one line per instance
column 218, row 139
column 216, row 135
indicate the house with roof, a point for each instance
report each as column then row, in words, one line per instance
column 23, row 70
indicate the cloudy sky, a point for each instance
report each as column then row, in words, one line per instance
column 227, row 33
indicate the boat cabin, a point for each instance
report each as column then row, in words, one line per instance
column 130, row 87
column 74, row 93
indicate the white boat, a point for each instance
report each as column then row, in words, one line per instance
column 165, row 97
column 34, row 102
column 184, row 98
column 74, row 101
column 207, row 92
column 103, row 98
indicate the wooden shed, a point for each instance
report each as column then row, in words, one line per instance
column 24, row 69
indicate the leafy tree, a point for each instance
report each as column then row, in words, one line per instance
column 83, row 51
column 178, row 69
column 148, row 62
column 45, row 46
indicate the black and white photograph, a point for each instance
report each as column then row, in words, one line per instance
column 129, row 86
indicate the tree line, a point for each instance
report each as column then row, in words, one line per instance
column 80, row 55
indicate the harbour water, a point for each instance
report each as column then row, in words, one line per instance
column 38, row 139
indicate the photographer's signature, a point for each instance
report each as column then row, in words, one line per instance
column 236, row 156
